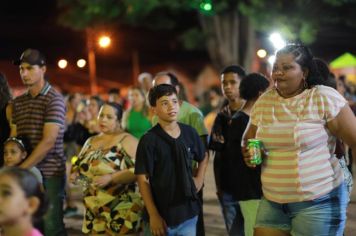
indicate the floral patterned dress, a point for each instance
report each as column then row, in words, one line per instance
column 115, row 209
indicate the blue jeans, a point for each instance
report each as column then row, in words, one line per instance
column 232, row 214
column 324, row 216
column 53, row 222
column 187, row 228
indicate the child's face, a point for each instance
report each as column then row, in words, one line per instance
column 13, row 155
column 167, row 108
column 13, row 203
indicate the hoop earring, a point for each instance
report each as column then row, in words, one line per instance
column 305, row 84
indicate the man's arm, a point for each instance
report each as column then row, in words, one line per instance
column 49, row 136
column 157, row 224
column 9, row 113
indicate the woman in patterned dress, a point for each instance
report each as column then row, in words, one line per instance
column 104, row 168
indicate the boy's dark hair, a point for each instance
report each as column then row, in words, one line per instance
column 117, row 107
column 234, row 69
column 252, row 85
column 31, row 187
column 159, row 91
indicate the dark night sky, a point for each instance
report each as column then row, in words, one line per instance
column 32, row 23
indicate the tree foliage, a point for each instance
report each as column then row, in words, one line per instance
column 225, row 26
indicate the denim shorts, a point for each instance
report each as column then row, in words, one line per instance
column 186, row 228
column 324, row 216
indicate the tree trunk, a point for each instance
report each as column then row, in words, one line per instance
column 229, row 39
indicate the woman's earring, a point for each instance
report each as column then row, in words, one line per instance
column 305, row 84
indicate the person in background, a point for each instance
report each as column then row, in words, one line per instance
column 164, row 170
column 343, row 89
column 145, row 82
column 342, row 152
column 231, row 77
column 298, row 123
column 114, row 96
column 39, row 113
column 211, row 100
column 70, row 147
column 216, row 101
column 23, row 202
column 137, row 120
column 94, row 104
column 243, row 184
column 104, row 168
column 189, row 115
column 5, row 113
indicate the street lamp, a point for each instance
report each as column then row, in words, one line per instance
column 81, row 63
column 105, row 42
column 261, row 53
column 277, row 41
column 62, row 63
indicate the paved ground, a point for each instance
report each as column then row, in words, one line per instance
column 214, row 223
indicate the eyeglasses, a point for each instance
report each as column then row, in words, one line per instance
column 16, row 140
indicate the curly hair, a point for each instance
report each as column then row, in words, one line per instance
column 252, row 85
column 5, row 93
column 305, row 59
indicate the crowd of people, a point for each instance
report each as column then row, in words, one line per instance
column 140, row 161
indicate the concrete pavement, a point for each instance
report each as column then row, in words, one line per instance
column 214, row 223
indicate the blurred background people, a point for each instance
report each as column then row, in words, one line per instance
column 145, row 82
column 137, row 120
column 94, row 104
column 70, row 137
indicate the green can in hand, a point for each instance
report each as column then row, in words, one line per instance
column 254, row 147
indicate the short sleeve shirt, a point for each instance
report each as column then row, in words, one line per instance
column 30, row 114
column 154, row 159
column 300, row 164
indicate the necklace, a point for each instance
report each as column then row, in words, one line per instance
column 297, row 92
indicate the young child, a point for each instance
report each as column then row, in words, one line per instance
column 22, row 201
column 164, row 171
column 16, row 149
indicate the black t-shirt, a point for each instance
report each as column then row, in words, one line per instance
column 237, row 178
column 155, row 159
column 220, row 129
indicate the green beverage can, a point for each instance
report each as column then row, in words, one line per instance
column 254, row 147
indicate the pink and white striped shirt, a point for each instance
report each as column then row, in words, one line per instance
column 300, row 164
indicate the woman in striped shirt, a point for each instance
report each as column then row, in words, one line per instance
column 298, row 122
